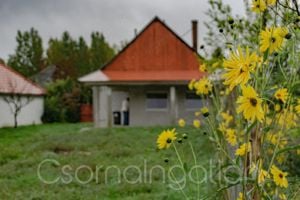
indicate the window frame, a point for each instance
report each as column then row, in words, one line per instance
column 157, row 109
column 186, row 99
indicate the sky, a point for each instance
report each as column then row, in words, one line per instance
column 116, row 19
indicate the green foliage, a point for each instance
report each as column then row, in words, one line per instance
column 62, row 102
column 75, row 58
column 100, row 51
column 61, row 53
column 28, row 56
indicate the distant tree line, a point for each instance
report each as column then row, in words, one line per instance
column 72, row 57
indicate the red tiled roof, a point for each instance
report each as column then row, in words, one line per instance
column 178, row 75
column 11, row 82
column 156, row 54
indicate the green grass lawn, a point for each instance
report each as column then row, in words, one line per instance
column 72, row 146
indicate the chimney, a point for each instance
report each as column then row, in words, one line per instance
column 195, row 34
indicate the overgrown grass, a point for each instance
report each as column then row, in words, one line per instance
column 75, row 145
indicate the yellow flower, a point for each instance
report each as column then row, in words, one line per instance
column 252, row 168
column 166, row 138
column 227, row 117
column 262, row 174
column 203, row 86
column 202, row 68
column 250, row 104
column 231, row 137
column 205, row 111
column 297, row 108
column 272, row 39
column 197, row 114
column 271, row 2
column 222, row 127
column 269, row 121
column 244, row 148
column 196, row 123
column 181, row 122
column 298, row 151
column 282, row 196
column 281, row 95
column 191, row 84
column 279, row 177
column 241, row 197
column 258, row 6
column 287, row 118
column 276, row 139
column 238, row 67
column 277, row 107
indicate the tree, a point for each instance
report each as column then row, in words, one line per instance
column 61, row 53
column 28, row 56
column 16, row 101
column 82, row 61
column 74, row 58
column 100, row 51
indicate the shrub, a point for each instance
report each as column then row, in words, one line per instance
column 62, row 103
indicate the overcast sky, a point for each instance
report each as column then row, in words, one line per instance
column 116, row 19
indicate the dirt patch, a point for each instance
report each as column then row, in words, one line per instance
column 62, row 150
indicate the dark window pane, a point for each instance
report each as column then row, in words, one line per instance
column 156, row 96
column 157, row 100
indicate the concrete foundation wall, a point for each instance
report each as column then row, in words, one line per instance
column 30, row 114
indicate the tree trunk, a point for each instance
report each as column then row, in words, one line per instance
column 15, row 120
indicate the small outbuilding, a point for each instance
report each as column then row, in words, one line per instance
column 21, row 101
column 153, row 71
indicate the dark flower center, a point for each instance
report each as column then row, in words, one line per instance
column 206, row 86
column 169, row 140
column 253, row 101
column 273, row 39
column 280, row 175
column 241, row 70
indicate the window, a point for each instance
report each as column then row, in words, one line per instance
column 192, row 101
column 157, row 101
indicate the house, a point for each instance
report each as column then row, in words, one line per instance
column 153, row 70
column 21, row 101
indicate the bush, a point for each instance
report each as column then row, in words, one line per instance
column 62, row 103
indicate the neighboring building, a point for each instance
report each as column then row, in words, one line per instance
column 17, row 89
column 46, row 76
column 153, row 70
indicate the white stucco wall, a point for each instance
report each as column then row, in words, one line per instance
column 139, row 115
column 30, row 114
